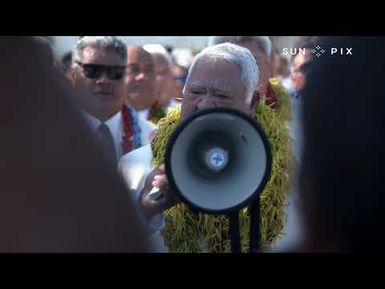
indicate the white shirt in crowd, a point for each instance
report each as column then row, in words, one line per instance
column 143, row 113
column 115, row 124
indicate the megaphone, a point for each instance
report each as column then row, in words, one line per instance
column 218, row 161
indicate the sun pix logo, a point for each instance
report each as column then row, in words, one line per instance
column 318, row 51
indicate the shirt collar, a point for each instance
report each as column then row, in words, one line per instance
column 113, row 122
column 143, row 113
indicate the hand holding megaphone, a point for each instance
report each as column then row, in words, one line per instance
column 156, row 196
column 158, row 182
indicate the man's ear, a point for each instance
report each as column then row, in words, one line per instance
column 254, row 103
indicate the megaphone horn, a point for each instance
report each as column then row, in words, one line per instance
column 218, row 160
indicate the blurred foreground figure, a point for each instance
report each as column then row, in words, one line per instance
column 57, row 193
column 342, row 174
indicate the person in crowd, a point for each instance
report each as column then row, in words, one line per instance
column 99, row 67
column 167, row 89
column 139, row 82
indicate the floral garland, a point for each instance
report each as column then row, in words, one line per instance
column 131, row 130
column 189, row 232
column 271, row 98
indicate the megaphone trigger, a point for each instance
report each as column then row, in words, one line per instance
column 155, row 193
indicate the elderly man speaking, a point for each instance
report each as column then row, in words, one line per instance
column 224, row 75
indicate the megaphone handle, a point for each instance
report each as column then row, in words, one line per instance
column 234, row 231
column 254, row 226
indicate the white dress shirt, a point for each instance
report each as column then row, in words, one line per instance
column 143, row 113
column 115, row 124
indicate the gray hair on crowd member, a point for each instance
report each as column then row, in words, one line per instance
column 263, row 42
column 235, row 54
column 158, row 49
column 111, row 43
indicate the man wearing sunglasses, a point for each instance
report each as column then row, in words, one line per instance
column 99, row 66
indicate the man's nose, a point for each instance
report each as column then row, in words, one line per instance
column 103, row 78
column 205, row 102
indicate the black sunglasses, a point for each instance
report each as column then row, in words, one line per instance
column 94, row 71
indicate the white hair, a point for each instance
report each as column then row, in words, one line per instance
column 238, row 55
column 160, row 50
column 263, row 42
column 105, row 42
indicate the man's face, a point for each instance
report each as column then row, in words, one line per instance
column 104, row 82
column 166, row 86
column 214, row 84
column 140, row 78
column 299, row 69
column 263, row 65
